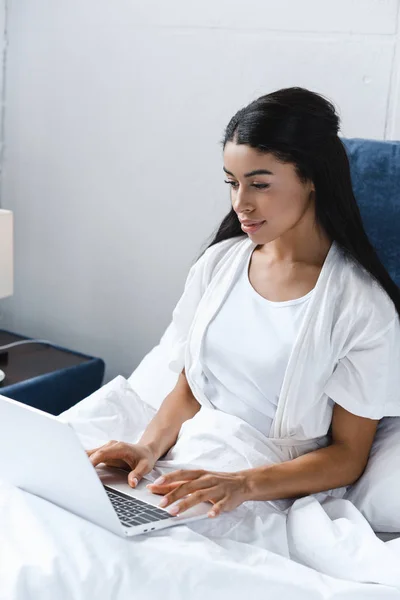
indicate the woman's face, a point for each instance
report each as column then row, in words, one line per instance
column 263, row 189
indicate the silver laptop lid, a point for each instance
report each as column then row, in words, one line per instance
column 44, row 456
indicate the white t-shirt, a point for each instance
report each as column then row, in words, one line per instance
column 246, row 349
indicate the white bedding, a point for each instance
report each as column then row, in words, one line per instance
column 313, row 550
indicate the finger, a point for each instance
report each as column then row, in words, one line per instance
column 93, row 450
column 137, row 473
column 217, row 509
column 97, row 457
column 163, row 489
column 183, row 490
column 206, row 495
column 120, row 464
column 109, row 452
column 179, row 475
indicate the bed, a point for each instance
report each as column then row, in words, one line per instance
column 315, row 549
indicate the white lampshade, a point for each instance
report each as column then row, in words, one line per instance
column 6, row 254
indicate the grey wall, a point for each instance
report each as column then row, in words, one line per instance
column 112, row 164
column 3, row 53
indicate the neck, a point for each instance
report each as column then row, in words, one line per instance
column 305, row 243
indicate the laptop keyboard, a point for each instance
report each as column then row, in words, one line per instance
column 132, row 511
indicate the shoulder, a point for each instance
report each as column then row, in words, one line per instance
column 216, row 255
column 365, row 305
column 218, row 250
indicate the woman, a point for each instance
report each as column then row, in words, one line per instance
column 288, row 320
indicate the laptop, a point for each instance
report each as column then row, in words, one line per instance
column 44, row 456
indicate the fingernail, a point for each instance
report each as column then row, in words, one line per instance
column 159, row 480
column 174, row 510
column 163, row 502
column 134, row 481
column 212, row 513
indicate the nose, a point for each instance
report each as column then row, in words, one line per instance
column 240, row 200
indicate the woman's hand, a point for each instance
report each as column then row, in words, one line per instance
column 225, row 490
column 136, row 458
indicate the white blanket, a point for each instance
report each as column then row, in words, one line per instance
column 312, row 550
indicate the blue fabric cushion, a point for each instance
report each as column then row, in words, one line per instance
column 57, row 391
column 375, row 173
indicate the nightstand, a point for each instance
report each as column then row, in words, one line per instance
column 51, row 378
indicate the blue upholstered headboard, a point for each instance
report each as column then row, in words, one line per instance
column 375, row 174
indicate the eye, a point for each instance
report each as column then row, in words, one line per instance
column 261, row 186
column 231, row 183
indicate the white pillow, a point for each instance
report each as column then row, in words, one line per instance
column 377, row 493
column 115, row 411
column 152, row 379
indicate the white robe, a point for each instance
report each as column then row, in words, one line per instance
column 347, row 350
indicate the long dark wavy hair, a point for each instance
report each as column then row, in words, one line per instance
column 301, row 127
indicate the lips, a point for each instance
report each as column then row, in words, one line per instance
column 251, row 223
column 251, row 229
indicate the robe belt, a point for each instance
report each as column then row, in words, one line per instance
column 291, row 441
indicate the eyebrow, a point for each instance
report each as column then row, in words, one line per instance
column 256, row 172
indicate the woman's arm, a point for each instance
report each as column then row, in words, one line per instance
column 339, row 464
column 179, row 406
